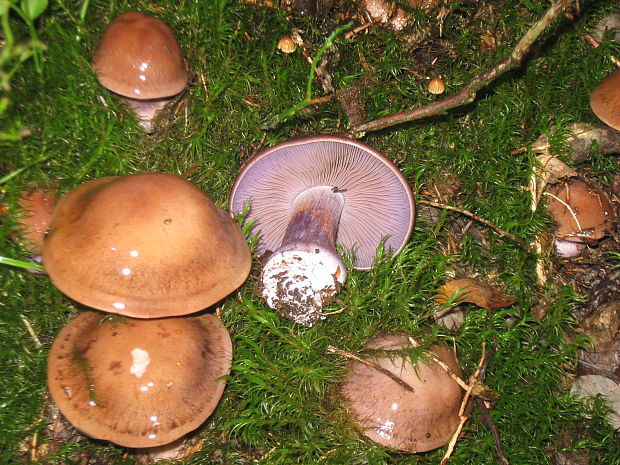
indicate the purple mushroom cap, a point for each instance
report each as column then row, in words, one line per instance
column 378, row 201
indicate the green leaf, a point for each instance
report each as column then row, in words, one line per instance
column 33, row 8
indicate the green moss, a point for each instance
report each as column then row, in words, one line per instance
column 281, row 404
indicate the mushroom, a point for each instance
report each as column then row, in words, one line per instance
column 583, row 214
column 146, row 245
column 36, row 210
column 138, row 383
column 605, row 100
column 286, row 45
column 436, row 86
column 139, row 59
column 305, row 195
column 411, row 420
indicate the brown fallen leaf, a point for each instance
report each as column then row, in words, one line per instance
column 603, row 360
column 469, row 290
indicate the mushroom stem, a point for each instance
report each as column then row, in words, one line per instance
column 305, row 272
column 315, row 218
column 147, row 110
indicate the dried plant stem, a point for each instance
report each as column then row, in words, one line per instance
column 375, row 366
column 495, row 228
column 468, row 93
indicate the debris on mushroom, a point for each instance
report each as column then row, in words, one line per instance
column 287, row 45
column 583, row 214
column 139, row 59
column 411, row 420
column 307, row 194
column 139, row 383
column 436, row 86
column 145, row 245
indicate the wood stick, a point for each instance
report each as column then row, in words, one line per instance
column 375, row 366
column 495, row 228
column 468, row 93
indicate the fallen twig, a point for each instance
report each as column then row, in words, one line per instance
column 495, row 228
column 375, row 366
column 468, row 93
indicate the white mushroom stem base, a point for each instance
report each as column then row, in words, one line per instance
column 147, row 110
column 305, row 273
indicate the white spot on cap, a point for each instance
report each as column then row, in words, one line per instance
column 126, row 271
column 119, row 305
column 141, row 360
column 137, row 91
column 134, row 253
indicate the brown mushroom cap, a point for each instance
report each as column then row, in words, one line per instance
column 146, row 245
column 605, row 100
column 398, row 418
column 139, row 57
column 378, row 201
column 36, row 211
column 592, row 214
column 139, row 383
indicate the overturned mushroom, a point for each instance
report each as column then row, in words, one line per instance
column 139, row 59
column 417, row 419
column 139, row 383
column 146, row 245
column 583, row 214
column 305, row 195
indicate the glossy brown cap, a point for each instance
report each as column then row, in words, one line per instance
column 36, row 208
column 391, row 415
column 138, row 57
column 605, row 100
column 146, row 245
column 592, row 215
column 138, row 383
column 378, row 201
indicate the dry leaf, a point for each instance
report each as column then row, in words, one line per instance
column 478, row 293
column 548, row 170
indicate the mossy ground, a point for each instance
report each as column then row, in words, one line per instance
column 280, row 405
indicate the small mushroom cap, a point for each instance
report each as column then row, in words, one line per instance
column 395, row 417
column 378, row 201
column 139, row 57
column 592, row 214
column 436, row 86
column 286, row 45
column 36, row 211
column 146, row 245
column 605, row 100
column 138, row 383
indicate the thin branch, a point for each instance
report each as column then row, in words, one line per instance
column 468, row 93
column 375, row 366
column 495, row 228
column 486, row 416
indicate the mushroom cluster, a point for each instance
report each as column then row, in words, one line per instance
column 149, row 247
column 139, row 59
column 309, row 193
